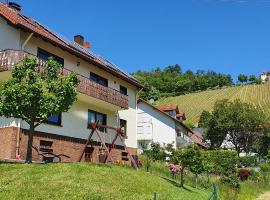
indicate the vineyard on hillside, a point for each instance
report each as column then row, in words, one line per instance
column 193, row 104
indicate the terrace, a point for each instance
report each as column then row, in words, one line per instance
column 9, row 58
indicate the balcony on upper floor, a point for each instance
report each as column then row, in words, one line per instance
column 9, row 58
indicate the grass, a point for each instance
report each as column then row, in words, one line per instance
column 88, row 181
column 193, row 104
column 249, row 190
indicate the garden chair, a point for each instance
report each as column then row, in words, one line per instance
column 48, row 156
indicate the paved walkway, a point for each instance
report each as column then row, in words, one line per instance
column 265, row 196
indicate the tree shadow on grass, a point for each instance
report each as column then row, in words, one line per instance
column 177, row 184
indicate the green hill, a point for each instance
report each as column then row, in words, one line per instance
column 89, row 182
column 194, row 103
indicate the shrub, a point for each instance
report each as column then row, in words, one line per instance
column 256, row 176
column 244, row 174
column 224, row 161
column 248, row 161
column 231, row 181
column 265, row 167
column 173, row 168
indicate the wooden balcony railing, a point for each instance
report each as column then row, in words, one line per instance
column 9, row 58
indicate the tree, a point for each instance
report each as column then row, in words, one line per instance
column 262, row 144
column 34, row 93
column 252, row 78
column 197, row 165
column 204, row 119
column 240, row 123
column 258, row 81
column 158, row 152
column 187, row 158
column 171, row 81
column 242, row 78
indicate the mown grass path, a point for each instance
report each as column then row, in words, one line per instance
column 194, row 103
column 265, row 196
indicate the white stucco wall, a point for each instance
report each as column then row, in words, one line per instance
column 155, row 126
column 70, row 62
column 74, row 121
column 9, row 36
column 264, row 77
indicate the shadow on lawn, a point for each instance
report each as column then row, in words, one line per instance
column 176, row 184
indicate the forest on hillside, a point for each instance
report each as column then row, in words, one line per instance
column 172, row 81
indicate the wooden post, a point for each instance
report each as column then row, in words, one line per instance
column 131, row 158
column 89, row 139
column 103, row 142
column 155, row 196
column 111, row 145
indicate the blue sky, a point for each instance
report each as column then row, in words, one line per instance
column 229, row 36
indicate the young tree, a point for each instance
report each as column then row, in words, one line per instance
column 187, row 158
column 197, row 165
column 34, row 93
column 252, row 78
column 241, row 123
column 242, row 78
column 204, row 119
column 262, row 144
column 258, row 81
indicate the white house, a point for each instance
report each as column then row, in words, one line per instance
column 265, row 77
column 162, row 126
column 105, row 93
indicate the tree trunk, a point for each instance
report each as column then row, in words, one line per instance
column 182, row 178
column 196, row 180
column 30, row 143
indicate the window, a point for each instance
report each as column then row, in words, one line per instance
column 44, row 55
column 93, row 116
column 54, row 119
column 88, row 154
column 123, row 90
column 123, row 126
column 45, row 146
column 125, row 156
column 98, row 79
column 171, row 112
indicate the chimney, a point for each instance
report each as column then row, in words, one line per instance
column 87, row 45
column 15, row 6
column 79, row 39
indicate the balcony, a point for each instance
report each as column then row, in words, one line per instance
column 9, row 58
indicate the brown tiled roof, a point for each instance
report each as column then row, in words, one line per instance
column 167, row 107
column 172, row 107
column 181, row 115
column 19, row 20
column 197, row 139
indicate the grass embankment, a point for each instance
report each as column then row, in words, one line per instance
column 88, row 181
column 193, row 104
column 249, row 190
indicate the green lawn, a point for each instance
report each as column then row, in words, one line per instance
column 88, row 181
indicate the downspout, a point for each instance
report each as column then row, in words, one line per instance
column 17, row 155
column 27, row 40
column 136, row 127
